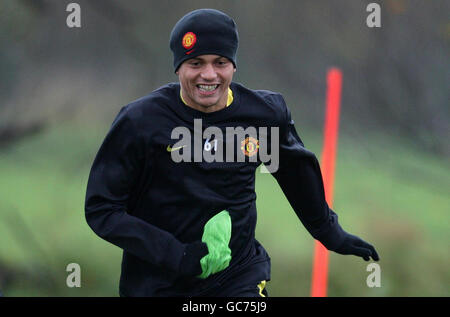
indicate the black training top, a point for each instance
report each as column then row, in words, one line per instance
column 153, row 208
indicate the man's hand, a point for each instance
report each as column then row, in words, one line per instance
column 356, row 246
column 212, row 254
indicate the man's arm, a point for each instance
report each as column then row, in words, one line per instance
column 300, row 178
column 113, row 177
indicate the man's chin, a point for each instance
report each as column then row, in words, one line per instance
column 209, row 107
column 205, row 104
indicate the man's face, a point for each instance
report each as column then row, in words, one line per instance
column 204, row 82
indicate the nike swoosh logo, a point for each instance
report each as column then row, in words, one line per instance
column 171, row 149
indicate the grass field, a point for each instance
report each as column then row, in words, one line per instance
column 388, row 193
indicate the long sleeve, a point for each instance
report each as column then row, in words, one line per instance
column 114, row 176
column 300, row 178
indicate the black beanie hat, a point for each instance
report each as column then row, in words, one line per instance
column 204, row 31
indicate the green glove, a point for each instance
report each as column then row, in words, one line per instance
column 216, row 235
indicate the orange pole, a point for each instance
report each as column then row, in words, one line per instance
column 320, row 262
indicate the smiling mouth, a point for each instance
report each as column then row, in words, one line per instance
column 207, row 88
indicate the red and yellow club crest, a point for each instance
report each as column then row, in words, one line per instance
column 189, row 40
column 250, row 146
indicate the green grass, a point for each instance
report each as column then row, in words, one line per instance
column 389, row 194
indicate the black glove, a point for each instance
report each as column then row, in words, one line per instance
column 190, row 262
column 356, row 246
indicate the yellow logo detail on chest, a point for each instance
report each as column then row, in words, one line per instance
column 250, row 146
column 171, row 149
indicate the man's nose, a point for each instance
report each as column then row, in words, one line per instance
column 208, row 72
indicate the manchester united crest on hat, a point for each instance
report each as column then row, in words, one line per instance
column 189, row 40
